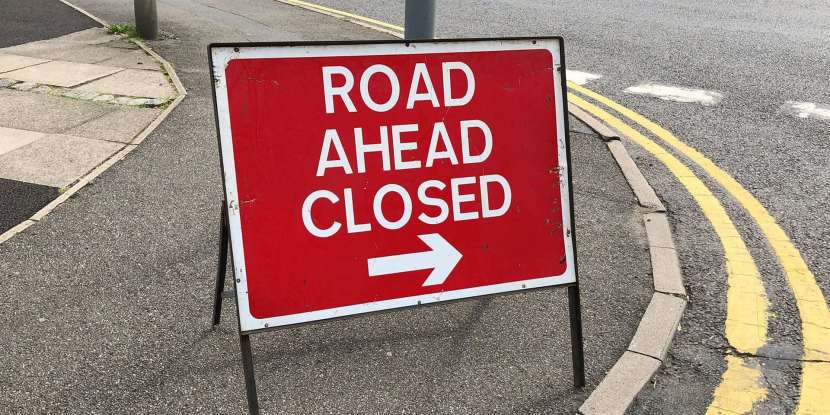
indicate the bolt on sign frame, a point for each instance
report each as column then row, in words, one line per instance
column 350, row 111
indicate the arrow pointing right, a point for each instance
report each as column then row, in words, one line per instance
column 441, row 258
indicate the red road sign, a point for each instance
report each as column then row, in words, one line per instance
column 370, row 176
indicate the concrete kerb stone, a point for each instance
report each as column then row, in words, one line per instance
column 668, row 278
column 622, row 383
column 118, row 156
column 659, row 324
column 20, row 227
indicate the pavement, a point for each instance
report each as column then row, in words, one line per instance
column 67, row 104
column 112, row 292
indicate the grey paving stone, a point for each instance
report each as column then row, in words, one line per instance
column 92, row 36
column 103, row 98
column 133, row 59
column 121, row 44
column 76, row 94
column 13, row 62
column 121, row 125
column 24, row 86
column 61, row 73
column 657, row 328
column 46, row 113
column 65, row 51
column 55, row 160
column 617, row 391
column 12, row 138
column 134, row 83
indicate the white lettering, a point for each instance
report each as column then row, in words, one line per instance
column 307, row 218
column 393, row 81
column 486, row 211
column 420, row 73
column 361, row 149
column 342, row 91
column 432, row 201
column 331, row 138
column 351, row 226
column 440, row 131
column 400, row 146
column 449, row 101
column 465, row 141
column 377, row 206
column 458, row 198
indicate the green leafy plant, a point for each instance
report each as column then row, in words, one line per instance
column 125, row 29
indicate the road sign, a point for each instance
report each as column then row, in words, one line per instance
column 369, row 176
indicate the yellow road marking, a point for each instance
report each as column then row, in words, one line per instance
column 354, row 18
column 812, row 307
column 739, row 391
column 746, row 306
column 746, row 314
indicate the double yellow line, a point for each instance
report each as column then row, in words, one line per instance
column 747, row 304
column 740, row 389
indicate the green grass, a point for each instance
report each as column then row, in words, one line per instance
column 126, row 29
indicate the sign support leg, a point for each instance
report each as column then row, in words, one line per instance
column 248, row 369
column 577, row 355
column 222, row 265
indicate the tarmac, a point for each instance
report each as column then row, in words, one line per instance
column 111, row 294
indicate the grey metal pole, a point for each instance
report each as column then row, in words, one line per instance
column 419, row 20
column 146, row 19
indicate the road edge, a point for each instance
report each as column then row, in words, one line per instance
column 118, row 156
column 648, row 349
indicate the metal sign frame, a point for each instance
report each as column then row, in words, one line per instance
column 219, row 54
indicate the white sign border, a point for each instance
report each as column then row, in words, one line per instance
column 221, row 55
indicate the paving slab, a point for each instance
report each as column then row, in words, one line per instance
column 134, row 83
column 91, row 36
column 65, row 51
column 12, row 138
column 55, row 160
column 11, row 62
column 133, row 59
column 46, row 113
column 121, row 125
column 121, row 44
column 60, row 73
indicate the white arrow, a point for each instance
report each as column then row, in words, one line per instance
column 442, row 258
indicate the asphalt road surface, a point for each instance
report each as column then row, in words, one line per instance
column 24, row 21
column 112, row 291
column 763, row 58
column 765, row 64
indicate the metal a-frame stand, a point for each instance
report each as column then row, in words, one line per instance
column 220, row 294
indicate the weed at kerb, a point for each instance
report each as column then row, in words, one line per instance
column 125, row 29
